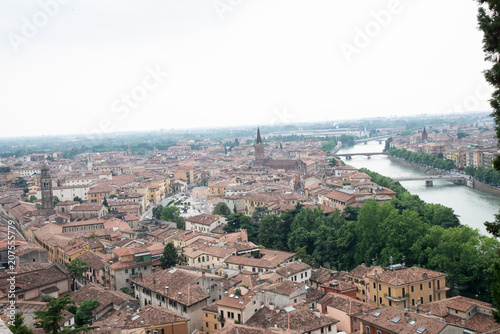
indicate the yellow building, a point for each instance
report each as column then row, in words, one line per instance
column 218, row 188
column 357, row 277
column 210, row 317
column 154, row 194
column 402, row 287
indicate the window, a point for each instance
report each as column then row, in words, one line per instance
column 412, row 288
column 380, row 287
column 421, row 300
column 430, row 285
column 367, row 329
column 380, row 299
column 215, row 326
column 374, row 285
column 413, row 302
column 421, row 286
column 430, row 298
column 379, row 332
column 374, row 299
column 206, row 324
column 145, row 267
column 126, row 271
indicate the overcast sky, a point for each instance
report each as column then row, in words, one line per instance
column 74, row 66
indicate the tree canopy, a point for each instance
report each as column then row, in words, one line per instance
column 76, row 269
column 221, row 209
column 170, row 257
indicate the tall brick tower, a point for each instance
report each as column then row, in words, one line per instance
column 46, row 184
column 259, row 149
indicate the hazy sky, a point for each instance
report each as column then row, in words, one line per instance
column 80, row 66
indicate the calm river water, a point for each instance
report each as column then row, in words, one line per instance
column 473, row 207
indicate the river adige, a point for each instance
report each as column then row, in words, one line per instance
column 473, row 206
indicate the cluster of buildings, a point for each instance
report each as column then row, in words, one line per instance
column 468, row 144
column 96, row 208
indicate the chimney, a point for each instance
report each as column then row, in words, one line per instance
column 166, row 290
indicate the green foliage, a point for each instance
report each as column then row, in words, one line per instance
column 236, row 221
column 105, row 202
column 4, row 170
column 258, row 213
column 329, row 146
column 18, row 326
column 76, row 269
column 32, row 198
column 83, row 314
column 489, row 22
column 422, row 158
column 221, row 209
column 128, row 291
column 51, row 318
column 388, row 144
column 46, row 298
column 157, row 210
column 489, row 176
column 173, row 214
column 77, row 199
column 348, row 140
column 170, row 257
column 19, row 182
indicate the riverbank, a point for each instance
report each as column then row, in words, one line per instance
column 477, row 185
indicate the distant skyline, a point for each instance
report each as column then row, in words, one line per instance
column 77, row 67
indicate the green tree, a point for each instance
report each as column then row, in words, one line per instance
column 33, row 198
column 84, row 314
column 173, row 214
column 489, row 22
column 301, row 254
column 157, row 211
column 128, row 291
column 76, row 269
column 19, row 182
column 236, row 221
column 105, row 202
column 258, row 213
column 170, row 257
column 269, row 232
column 4, row 169
column 18, row 326
column 221, row 209
column 49, row 320
column 77, row 199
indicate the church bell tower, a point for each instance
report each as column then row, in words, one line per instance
column 259, row 149
column 46, row 184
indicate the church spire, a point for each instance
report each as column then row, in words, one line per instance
column 259, row 140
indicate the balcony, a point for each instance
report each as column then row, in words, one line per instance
column 397, row 299
column 442, row 289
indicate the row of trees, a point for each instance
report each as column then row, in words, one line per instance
column 425, row 159
column 406, row 229
column 380, row 233
column 486, row 175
